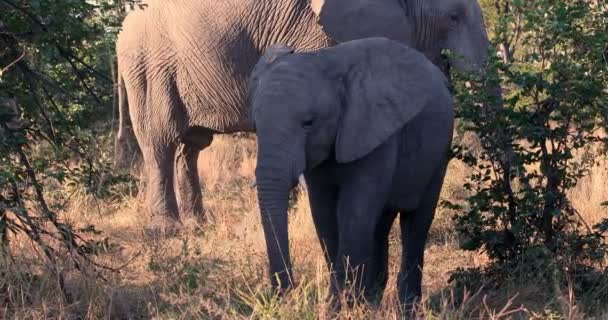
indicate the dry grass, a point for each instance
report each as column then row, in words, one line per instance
column 590, row 192
column 220, row 271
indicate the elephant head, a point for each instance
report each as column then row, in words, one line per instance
column 427, row 25
column 271, row 54
column 338, row 103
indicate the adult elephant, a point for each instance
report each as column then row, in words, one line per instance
column 183, row 68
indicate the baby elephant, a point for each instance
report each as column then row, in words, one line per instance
column 369, row 123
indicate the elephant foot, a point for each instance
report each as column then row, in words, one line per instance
column 343, row 304
column 201, row 218
column 162, row 226
column 413, row 311
column 196, row 220
column 197, row 216
column 334, row 306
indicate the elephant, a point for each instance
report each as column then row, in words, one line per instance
column 183, row 67
column 369, row 123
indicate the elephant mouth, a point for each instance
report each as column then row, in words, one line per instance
column 445, row 67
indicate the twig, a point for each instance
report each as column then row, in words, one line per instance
column 43, row 112
column 74, row 136
column 68, row 52
column 11, row 64
column 83, row 81
column 505, row 309
column 582, row 220
column 124, row 265
column 34, row 233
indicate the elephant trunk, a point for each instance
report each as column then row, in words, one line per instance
column 275, row 176
column 273, row 201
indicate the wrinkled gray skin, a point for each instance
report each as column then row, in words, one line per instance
column 369, row 123
column 183, row 66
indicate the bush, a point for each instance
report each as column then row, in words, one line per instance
column 55, row 86
column 554, row 71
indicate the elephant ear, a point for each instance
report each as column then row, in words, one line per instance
column 346, row 20
column 383, row 93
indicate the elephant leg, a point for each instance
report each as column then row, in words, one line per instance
column 160, row 196
column 415, row 227
column 359, row 212
column 157, row 122
column 141, row 191
column 322, row 196
column 189, row 195
column 381, row 252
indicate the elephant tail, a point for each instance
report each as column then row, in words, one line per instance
column 123, row 133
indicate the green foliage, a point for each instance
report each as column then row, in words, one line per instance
column 554, row 70
column 56, row 88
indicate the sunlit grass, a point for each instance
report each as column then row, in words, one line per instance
column 220, row 271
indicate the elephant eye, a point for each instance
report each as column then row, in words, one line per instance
column 454, row 18
column 457, row 14
column 307, row 123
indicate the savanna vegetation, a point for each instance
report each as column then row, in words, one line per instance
column 521, row 231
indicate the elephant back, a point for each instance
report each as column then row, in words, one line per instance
column 206, row 49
